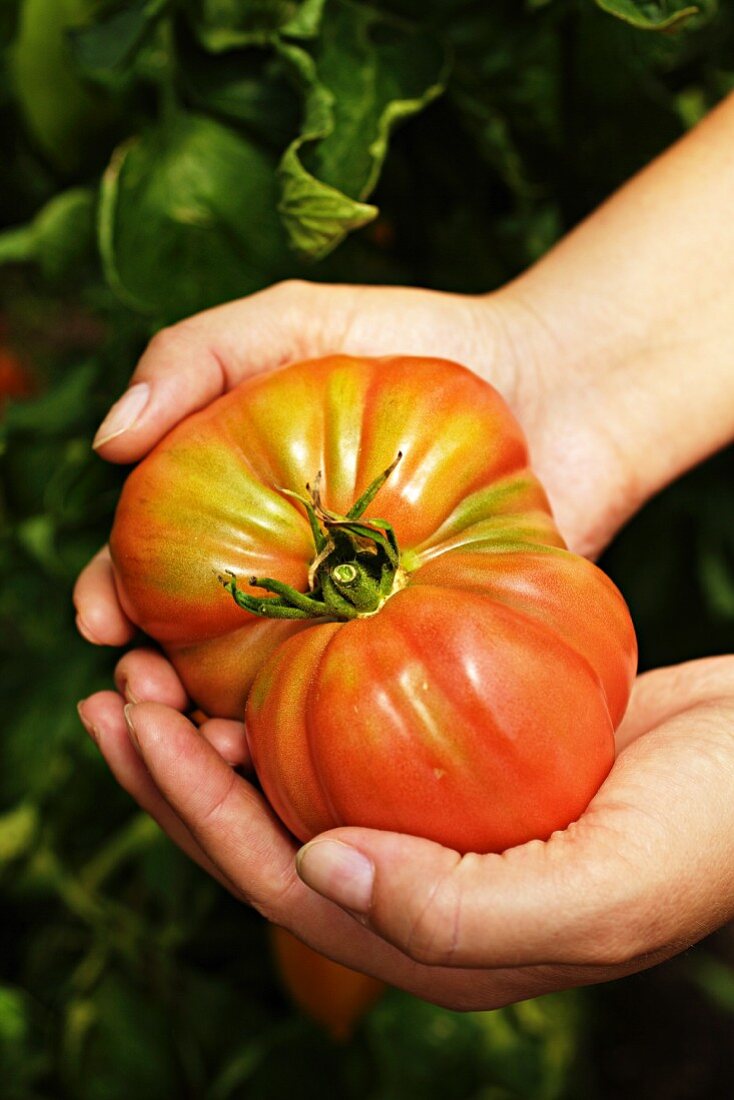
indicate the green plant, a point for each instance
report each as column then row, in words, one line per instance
column 181, row 153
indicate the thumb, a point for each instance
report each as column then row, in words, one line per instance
column 444, row 909
column 646, row 869
column 188, row 365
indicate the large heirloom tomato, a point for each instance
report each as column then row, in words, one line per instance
column 413, row 645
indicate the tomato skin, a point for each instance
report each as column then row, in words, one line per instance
column 479, row 730
column 332, row 995
column 207, row 500
column 15, row 378
column 477, row 707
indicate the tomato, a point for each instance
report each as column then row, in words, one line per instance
column 332, row 995
column 415, row 647
column 15, row 378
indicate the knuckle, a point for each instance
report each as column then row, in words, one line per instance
column 619, row 939
column 277, row 903
column 165, row 341
column 292, row 288
column 608, row 951
column 211, row 811
column 434, row 930
column 166, row 346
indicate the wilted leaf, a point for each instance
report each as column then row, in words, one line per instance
column 229, row 24
column 366, row 74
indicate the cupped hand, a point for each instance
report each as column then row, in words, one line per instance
column 641, row 875
column 644, row 873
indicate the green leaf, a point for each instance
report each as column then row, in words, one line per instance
column 228, row 24
column 656, row 15
column 18, row 829
column 113, row 39
column 715, row 978
column 117, row 1044
column 716, row 565
column 252, row 87
column 523, row 1051
column 21, row 1064
column 66, row 119
column 60, row 237
column 60, row 410
column 13, row 1016
column 317, row 216
column 366, row 74
column 9, row 12
column 188, row 218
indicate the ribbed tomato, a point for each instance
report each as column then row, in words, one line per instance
column 416, row 649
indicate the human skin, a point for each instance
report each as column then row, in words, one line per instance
column 615, row 354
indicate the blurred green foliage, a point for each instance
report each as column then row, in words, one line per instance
column 164, row 155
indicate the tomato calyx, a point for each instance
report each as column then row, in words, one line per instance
column 356, row 566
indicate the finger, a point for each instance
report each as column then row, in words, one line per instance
column 665, row 692
column 325, row 927
column 645, row 872
column 103, row 717
column 228, row 738
column 189, row 364
column 229, row 819
column 144, row 675
column 100, row 619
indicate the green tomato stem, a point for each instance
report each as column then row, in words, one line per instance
column 355, row 568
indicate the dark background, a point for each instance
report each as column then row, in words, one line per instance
column 124, row 970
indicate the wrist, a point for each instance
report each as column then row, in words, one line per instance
column 590, row 478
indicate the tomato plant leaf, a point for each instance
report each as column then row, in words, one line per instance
column 251, row 87
column 365, row 74
column 188, row 218
column 317, row 216
column 227, row 24
column 109, row 42
column 66, row 118
column 18, row 828
column 656, row 15
column 550, row 106
column 60, row 236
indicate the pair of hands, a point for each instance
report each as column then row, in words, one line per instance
column 643, row 874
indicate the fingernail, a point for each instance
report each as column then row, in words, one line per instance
column 128, row 712
column 337, row 871
column 88, row 726
column 124, row 414
column 127, row 692
column 85, row 631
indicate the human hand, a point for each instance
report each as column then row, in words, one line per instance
column 644, row 873
column 607, row 385
column 225, row 824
